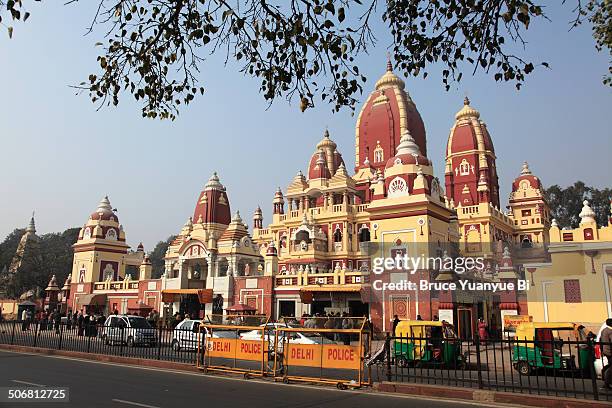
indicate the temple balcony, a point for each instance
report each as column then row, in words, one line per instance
column 302, row 278
column 126, row 285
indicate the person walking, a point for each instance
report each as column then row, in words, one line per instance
column 396, row 321
column 80, row 324
column 482, row 330
column 29, row 318
column 606, row 344
column 57, row 320
column 75, row 319
column 24, row 320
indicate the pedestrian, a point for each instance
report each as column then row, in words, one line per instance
column 57, row 320
column 75, row 318
column 605, row 341
column 396, row 321
column 43, row 321
column 80, row 324
column 29, row 318
column 482, row 330
column 419, row 317
column 69, row 320
column 24, row 320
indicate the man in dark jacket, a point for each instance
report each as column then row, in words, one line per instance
column 396, row 321
column 606, row 345
column 57, row 320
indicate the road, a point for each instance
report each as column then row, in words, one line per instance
column 94, row 384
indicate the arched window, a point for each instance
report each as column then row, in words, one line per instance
column 526, row 241
column 337, row 235
column 111, row 234
column 302, row 236
column 364, row 234
column 378, row 155
column 464, row 167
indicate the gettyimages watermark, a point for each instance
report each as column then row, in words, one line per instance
column 411, row 266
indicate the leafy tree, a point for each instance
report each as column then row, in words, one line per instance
column 566, row 203
column 9, row 246
column 53, row 257
column 157, row 256
column 154, row 49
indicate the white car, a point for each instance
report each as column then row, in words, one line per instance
column 187, row 335
column 293, row 337
column 128, row 329
column 600, row 359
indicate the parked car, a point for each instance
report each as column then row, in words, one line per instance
column 128, row 329
column 600, row 360
column 187, row 335
column 293, row 337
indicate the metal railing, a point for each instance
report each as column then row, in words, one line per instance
column 563, row 368
column 148, row 343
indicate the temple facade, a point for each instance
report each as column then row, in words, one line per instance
column 332, row 229
column 329, row 226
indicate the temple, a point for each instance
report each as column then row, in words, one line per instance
column 330, row 229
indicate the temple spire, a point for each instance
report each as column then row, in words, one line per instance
column 32, row 226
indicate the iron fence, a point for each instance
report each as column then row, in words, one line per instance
column 149, row 343
column 564, row 368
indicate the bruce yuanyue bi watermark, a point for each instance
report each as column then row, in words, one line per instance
column 442, row 264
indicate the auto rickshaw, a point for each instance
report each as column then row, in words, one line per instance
column 541, row 345
column 422, row 341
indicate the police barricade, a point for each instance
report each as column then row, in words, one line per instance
column 326, row 350
column 235, row 344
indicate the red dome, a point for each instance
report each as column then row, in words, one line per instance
column 104, row 216
column 408, row 159
column 526, row 174
column 463, row 139
column 213, row 204
column 388, row 111
column 328, row 157
column 104, row 211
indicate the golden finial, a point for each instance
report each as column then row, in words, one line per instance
column 389, row 65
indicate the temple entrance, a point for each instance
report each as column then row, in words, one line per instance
column 464, row 323
column 357, row 308
column 318, row 306
column 190, row 305
column 286, row 308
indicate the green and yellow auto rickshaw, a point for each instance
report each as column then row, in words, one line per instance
column 543, row 346
column 422, row 341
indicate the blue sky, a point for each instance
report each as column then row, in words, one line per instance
column 59, row 156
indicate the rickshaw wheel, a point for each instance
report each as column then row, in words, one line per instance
column 341, row 386
column 247, row 376
column 286, row 380
column 523, row 368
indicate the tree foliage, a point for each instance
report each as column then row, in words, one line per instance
column 53, row 256
column 566, row 203
column 157, row 256
column 154, row 49
column 8, row 247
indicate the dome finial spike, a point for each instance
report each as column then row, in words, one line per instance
column 407, row 144
column 525, row 170
column 466, row 100
column 389, row 65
